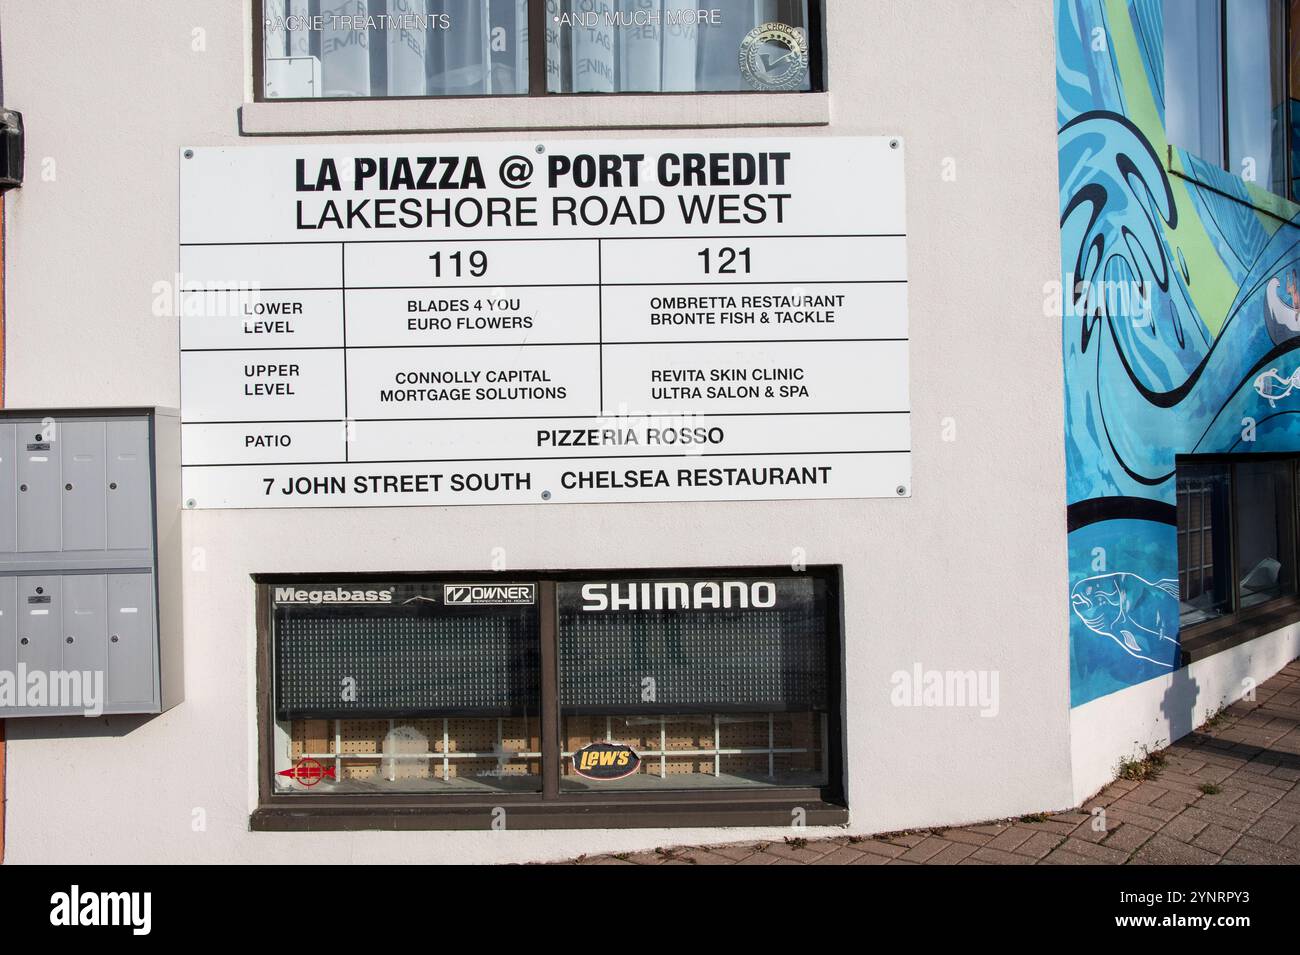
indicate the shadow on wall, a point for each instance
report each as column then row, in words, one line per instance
column 1179, row 703
column 75, row 727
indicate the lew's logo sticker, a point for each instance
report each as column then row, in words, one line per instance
column 487, row 594
column 605, row 761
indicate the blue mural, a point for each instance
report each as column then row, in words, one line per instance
column 1181, row 307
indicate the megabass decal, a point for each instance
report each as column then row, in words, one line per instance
column 606, row 761
column 488, row 594
column 679, row 595
column 296, row 595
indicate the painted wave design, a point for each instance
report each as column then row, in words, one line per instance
column 1195, row 374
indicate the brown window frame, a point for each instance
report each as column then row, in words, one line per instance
column 1238, row 626
column 550, row 809
column 817, row 73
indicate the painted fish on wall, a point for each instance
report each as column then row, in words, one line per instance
column 1140, row 616
column 1273, row 386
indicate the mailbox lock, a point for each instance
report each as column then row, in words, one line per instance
column 113, row 638
column 68, row 640
column 40, row 590
column 113, row 486
column 23, row 641
column 22, row 487
column 67, row 487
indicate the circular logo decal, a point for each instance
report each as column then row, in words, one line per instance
column 774, row 56
column 308, row 772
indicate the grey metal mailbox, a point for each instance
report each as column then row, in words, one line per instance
column 90, row 537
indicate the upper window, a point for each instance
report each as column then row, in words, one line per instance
column 1236, row 537
column 1227, row 85
column 362, row 48
column 330, row 49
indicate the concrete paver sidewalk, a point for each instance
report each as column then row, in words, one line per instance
column 1228, row 792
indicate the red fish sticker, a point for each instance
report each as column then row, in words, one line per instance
column 605, row 761
column 308, row 772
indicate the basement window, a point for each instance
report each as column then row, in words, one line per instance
column 392, row 688
column 444, row 698
column 707, row 697
column 1237, row 543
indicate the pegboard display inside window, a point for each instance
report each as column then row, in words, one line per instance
column 692, row 646
column 432, row 756
column 404, row 650
column 715, row 751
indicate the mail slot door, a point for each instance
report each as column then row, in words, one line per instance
column 130, row 495
column 131, row 642
column 39, row 489
column 8, row 490
column 40, row 642
column 85, row 623
column 85, row 516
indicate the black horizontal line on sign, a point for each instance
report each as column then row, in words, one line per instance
column 668, row 285
column 621, row 238
column 516, row 346
column 569, row 417
column 576, row 457
column 448, row 288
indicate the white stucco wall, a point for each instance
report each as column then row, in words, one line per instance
column 1151, row 715
column 969, row 573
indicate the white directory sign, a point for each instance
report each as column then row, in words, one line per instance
column 544, row 321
